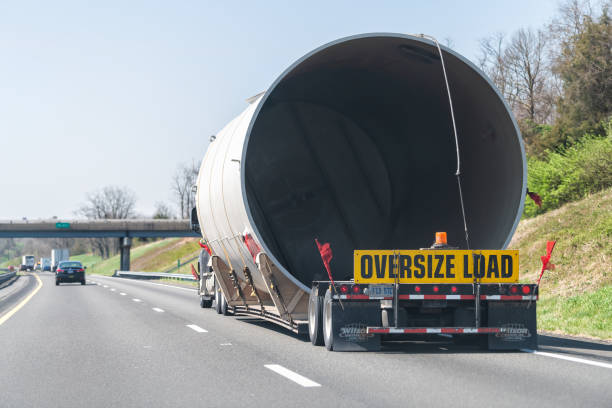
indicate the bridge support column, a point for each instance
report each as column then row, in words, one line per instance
column 125, row 244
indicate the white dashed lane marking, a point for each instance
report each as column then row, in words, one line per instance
column 295, row 377
column 158, row 310
column 137, row 300
column 197, row 328
column 569, row 358
column 122, row 294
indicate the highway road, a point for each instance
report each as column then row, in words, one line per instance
column 121, row 343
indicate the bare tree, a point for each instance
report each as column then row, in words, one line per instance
column 183, row 183
column 520, row 70
column 493, row 62
column 108, row 203
column 162, row 211
column 527, row 65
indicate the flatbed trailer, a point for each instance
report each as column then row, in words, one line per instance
column 357, row 317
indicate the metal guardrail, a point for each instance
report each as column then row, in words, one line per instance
column 153, row 275
column 8, row 276
column 183, row 263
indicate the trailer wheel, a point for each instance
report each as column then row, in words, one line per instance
column 205, row 303
column 220, row 302
column 315, row 317
column 328, row 329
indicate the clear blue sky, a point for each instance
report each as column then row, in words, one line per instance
column 121, row 92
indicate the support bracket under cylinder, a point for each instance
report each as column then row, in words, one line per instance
column 255, row 292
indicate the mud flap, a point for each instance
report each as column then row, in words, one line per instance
column 349, row 326
column 518, row 323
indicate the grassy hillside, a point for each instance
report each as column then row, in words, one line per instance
column 157, row 256
column 164, row 258
column 576, row 297
column 96, row 264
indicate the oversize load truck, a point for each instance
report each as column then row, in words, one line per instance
column 57, row 256
column 354, row 145
column 27, row 263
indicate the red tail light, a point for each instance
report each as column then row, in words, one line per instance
column 436, row 289
column 417, row 288
column 514, row 289
column 356, row 289
column 344, row 289
column 526, row 289
column 60, row 270
column 454, row 289
column 81, row 270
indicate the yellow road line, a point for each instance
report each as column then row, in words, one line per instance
column 21, row 304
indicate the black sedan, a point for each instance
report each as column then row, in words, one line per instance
column 70, row 271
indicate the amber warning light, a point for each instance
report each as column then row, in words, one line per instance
column 441, row 238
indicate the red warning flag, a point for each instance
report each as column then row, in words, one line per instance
column 206, row 247
column 535, row 197
column 326, row 256
column 194, row 273
column 550, row 245
column 251, row 245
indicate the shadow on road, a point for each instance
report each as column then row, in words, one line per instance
column 272, row 326
column 435, row 344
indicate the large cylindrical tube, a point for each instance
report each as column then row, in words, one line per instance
column 353, row 145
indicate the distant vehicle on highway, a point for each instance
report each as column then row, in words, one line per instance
column 27, row 263
column 70, row 271
column 45, row 264
column 57, row 256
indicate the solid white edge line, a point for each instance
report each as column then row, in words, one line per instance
column 197, row 328
column 295, row 377
column 158, row 310
column 569, row 358
column 152, row 283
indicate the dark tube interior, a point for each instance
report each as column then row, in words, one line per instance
column 354, row 146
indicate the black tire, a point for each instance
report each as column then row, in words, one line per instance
column 205, row 304
column 328, row 329
column 315, row 318
column 224, row 308
column 56, row 283
column 83, row 282
column 220, row 302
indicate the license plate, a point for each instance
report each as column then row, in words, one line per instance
column 380, row 291
column 71, row 276
column 435, row 266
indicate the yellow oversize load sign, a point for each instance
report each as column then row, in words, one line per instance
column 436, row 266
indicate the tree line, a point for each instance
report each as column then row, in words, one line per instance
column 557, row 79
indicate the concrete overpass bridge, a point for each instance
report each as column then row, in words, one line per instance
column 124, row 230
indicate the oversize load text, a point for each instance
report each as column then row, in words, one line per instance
column 440, row 266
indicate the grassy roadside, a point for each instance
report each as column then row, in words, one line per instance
column 97, row 265
column 589, row 313
column 166, row 258
column 576, row 297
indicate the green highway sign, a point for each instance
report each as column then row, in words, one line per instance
column 62, row 225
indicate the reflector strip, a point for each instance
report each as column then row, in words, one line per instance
column 436, row 297
column 433, row 330
column 507, row 297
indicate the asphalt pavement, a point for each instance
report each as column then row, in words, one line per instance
column 122, row 343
